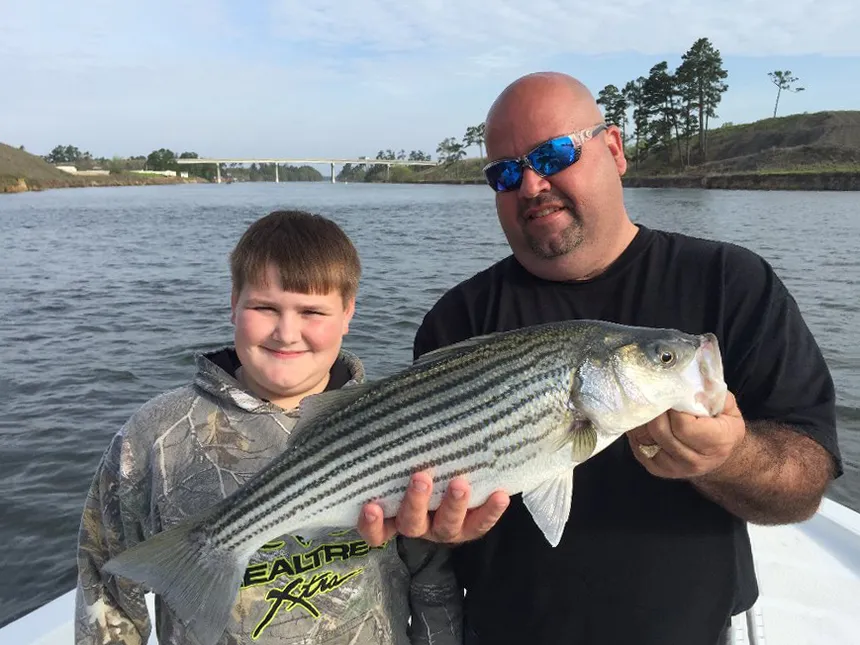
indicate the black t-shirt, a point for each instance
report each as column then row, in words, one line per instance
column 643, row 560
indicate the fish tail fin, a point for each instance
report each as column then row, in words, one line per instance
column 199, row 580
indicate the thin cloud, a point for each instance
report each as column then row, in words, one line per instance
column 549, row 28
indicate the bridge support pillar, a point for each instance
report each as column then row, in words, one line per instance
column 277, row 177
column 332, row 172
column 218, row 172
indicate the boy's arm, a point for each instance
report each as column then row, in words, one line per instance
column 107, row 609
column 435, row 596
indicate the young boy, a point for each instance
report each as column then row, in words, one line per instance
column 295, row 278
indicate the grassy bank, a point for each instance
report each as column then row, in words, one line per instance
column 465, row 171
column 819, row 151
column 20, row 172
column 11, row 184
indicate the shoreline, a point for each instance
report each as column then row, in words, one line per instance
column 812, row 180
column 772, row 180
column 15, row 185
column 816, row 180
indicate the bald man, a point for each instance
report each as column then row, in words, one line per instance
column 656, row 550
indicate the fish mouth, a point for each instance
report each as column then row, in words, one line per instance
column 712, row 396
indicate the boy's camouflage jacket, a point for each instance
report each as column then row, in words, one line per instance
column 185, row 450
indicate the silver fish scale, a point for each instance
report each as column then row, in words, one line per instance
column 462, row 414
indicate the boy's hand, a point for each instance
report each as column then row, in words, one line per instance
column 452, row 522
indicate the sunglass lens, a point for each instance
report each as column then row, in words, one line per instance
column 505, row 175
column 553, row 156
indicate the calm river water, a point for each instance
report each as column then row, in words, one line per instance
column 109, row 292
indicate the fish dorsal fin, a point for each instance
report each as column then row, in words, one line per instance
column 549, row 505
column 319, row 406
column 449, row 350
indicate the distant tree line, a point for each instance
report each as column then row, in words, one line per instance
column 73, row 156
column 161, row 159
column 666, row 115
column 448, row 151
column 451, row 149
column 671, row 109
column 165, row 159
column 378, row 172
column 266, row 172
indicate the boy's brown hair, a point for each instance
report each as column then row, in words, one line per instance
column 312, row 254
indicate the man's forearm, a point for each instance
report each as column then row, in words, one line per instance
column 775, row 476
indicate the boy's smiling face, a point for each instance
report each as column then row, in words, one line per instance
column 287, row 341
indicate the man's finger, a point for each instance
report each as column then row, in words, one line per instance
column 645, row 457
column 413, row 519
column 661, row 431
column 640, row 436
column 480, row 520
column 448, row 518
column 665, row 465
column 373, row 528
column 731, row 406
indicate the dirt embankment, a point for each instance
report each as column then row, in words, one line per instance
column 20, row 171
column 819, row 151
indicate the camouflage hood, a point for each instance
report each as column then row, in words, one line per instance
column 187, row 449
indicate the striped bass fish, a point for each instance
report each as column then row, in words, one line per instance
column 513, row 411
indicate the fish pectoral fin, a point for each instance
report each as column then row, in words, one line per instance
column 549, row 505
column 583, row 439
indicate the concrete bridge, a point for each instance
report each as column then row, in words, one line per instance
column 307, row 162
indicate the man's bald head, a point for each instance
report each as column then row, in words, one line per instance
column 569, row 224
column 545, row 96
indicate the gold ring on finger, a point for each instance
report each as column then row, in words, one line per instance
column 649, row 449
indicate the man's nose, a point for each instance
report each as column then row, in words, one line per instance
column 533, row 184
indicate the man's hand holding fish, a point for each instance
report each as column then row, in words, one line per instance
column 677, row 445
column 453, row 522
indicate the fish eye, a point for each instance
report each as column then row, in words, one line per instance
column 666, row 357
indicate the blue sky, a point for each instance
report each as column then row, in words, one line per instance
column 346, row 78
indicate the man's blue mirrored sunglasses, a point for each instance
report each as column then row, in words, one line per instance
column 545, row 159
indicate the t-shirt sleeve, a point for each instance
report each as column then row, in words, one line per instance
column 774, row 365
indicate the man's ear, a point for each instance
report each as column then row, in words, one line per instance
column 234, row 298
column 615, row 143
